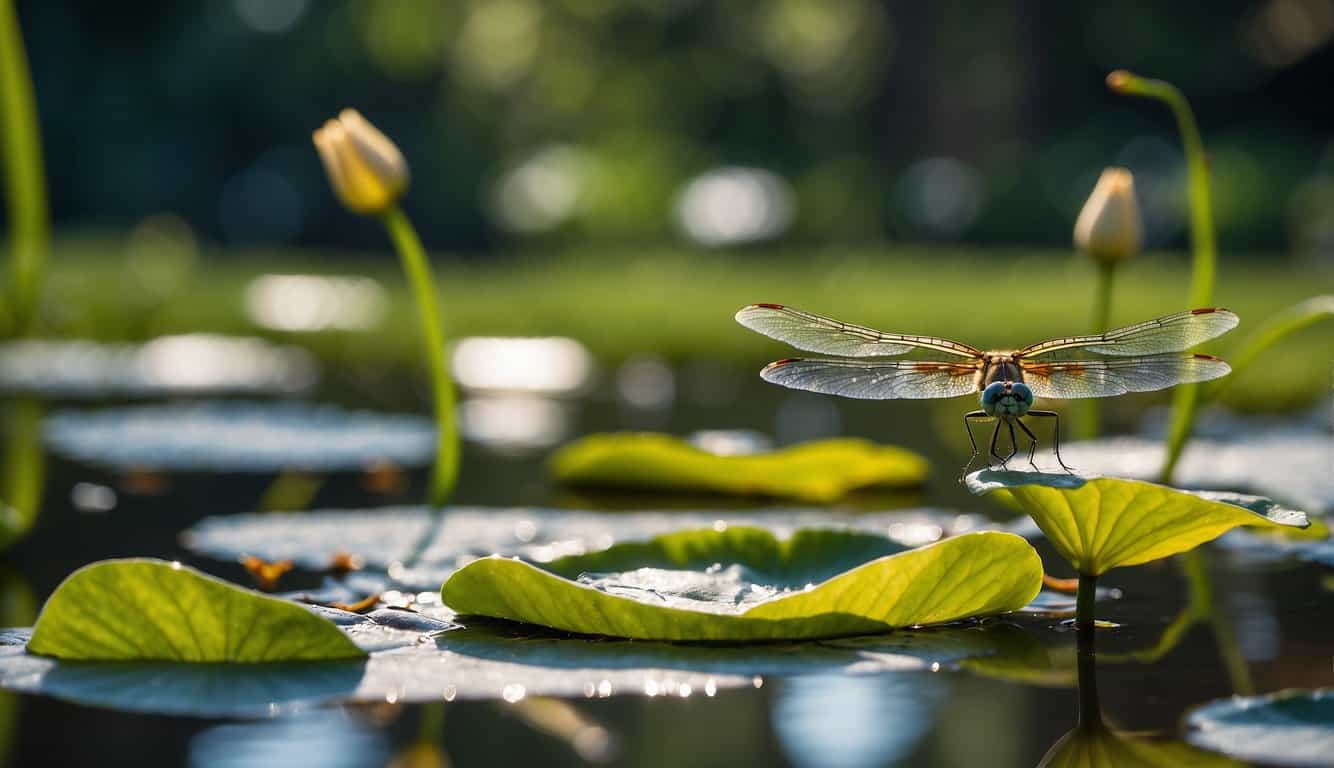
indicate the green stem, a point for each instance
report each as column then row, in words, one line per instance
column 1298, row 317
column 418, row 270
column 1202, row 240
column 1084, row 601
column 1090, row 422
column 1090, row 710
column 23, row 473
column 24, row 177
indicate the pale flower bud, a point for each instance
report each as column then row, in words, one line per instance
column 1109, row 228
column 365, row 169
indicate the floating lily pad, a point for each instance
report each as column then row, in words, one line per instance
column 151, row 610
column 240, row 437
column 1288, row 464
column 384, row 538
column 1287, row 728
column 170, row 365
column 1100, row 523
column 818, row 471
column 744, row 584
column 1098, row 746
column 413, row 658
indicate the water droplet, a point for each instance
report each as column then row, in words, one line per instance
column 935, row 666
column 590, row 689
column 651, row 687
column 525, row 530
column 513, row 692
column 685, row 690
column 757, row 681
column 450, row 693
column 710, row 687
column 604, row 689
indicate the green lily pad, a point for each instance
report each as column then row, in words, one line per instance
column 1293, row 727
column 1100, row 523
column 1098, row 746
column 151, row 610
column 413, row 658
column 744, row 584
column 818, row 471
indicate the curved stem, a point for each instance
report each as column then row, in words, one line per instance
column 24, row 176
column 1202, row 238
column 1298, row 317
column 422, row 284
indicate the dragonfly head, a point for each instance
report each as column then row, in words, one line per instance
column 1006, row 398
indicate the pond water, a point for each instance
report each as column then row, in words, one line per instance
column 1264, row 626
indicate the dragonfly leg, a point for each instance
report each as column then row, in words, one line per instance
column 995, row 434
column 1033, row 446
column 1056, row 436
column 967, row 425
column 1014, row 443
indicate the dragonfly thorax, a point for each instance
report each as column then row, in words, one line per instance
column 1006, row 399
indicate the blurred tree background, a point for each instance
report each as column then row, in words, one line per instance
column 596, row 122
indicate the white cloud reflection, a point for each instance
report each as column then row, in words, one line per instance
column 314, row 302
column 514, row 423
column 539, row 365
column 188, row 364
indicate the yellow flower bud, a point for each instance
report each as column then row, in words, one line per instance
column 365, row 169
column 1109, row 228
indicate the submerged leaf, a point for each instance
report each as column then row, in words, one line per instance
column 743, row 584
column 123, row 610
column 1286, row 728
column 1100, row 523
column 818, row 471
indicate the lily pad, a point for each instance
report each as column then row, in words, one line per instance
column 413, row 658
column 192, row 364
column 1291, row 464
column 744, row 584
column 150, row 610
column 227, row 436
column 1287, row 728
column 386, row 537
column 818, row 471
column 1100, row 523
column 1098, row 746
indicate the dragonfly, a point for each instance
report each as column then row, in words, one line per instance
column 1142, row 357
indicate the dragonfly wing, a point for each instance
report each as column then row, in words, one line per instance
column 875, row 379
column 1117, row 376
column 814, row 333
column 1173, row 333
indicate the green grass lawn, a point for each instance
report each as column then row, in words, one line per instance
column 679, row 304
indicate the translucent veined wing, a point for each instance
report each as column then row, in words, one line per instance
column 1119, row 375
column 1173, row 333
column 813, row 333
column 875, row 379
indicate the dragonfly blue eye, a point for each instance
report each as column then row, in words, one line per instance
column 1023, row 393
column 992, row 393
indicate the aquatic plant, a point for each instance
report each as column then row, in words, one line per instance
column 369, row 175
column 28, row 210
column 1109, row 231
column 1101, row 523
column 146, row 610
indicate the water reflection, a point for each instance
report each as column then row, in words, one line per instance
column 547, row 366
column 168, row 365
column 514, row 423
column 24, row 472
column 315, row 302
column 855, row 722
column 328, row 739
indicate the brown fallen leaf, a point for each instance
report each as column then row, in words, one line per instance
column 265, row 574
column 361, row 606
column 343, row 563
column 1065, row 586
